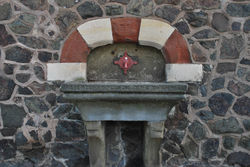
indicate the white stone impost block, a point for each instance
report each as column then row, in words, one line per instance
column 184, row 72
column 96, row 32
column 154, row 33
column 66, row 71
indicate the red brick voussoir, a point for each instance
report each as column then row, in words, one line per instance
column 176, row 49
column 125, row 29
column 75, row 49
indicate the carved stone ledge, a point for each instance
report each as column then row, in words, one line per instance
column 147, row 102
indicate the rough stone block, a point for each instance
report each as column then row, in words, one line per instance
column 66, row 71
column 184, row 72
column 113, row 10
column 97, row 32
column 154, row 33
column 141, row 8
column 167, row 12
column 89, row 9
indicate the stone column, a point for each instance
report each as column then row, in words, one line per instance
column 96, row 141
column 152, row 142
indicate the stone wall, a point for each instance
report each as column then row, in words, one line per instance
column 39, row 129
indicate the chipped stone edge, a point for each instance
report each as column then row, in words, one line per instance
column 66, row 71
column 184, row 72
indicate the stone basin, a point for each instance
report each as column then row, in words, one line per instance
column 124, row 101
column 99, row 102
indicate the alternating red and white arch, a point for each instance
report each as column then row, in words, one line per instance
column 106, row 31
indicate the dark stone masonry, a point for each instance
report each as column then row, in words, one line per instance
column 38, row 128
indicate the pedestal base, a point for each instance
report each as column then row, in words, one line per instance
column 152, row 141
column 97, row 145
column 140, row 101
column 153, row 134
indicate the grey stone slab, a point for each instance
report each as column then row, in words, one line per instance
column 122, row 97
column 124, row 111
column 138, row 87
column 114, row 101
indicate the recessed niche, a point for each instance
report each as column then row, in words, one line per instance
column 150, row 67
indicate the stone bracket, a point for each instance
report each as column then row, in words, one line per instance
column 95, row 129
column 152, row 143
column 96, row 140
column 156, row 129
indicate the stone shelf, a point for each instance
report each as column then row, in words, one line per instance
column 99, row 102
column 110, row 101
column 124, row 87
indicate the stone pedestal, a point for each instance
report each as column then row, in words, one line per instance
column 153, row 134
column 96, row 141
column 147, row 102
column 152, row 141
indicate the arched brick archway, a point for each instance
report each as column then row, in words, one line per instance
column 148, row 32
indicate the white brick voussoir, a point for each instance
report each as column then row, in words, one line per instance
column 154, row 33
column 66, row 71
column 184, row 72
column 96, row 32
